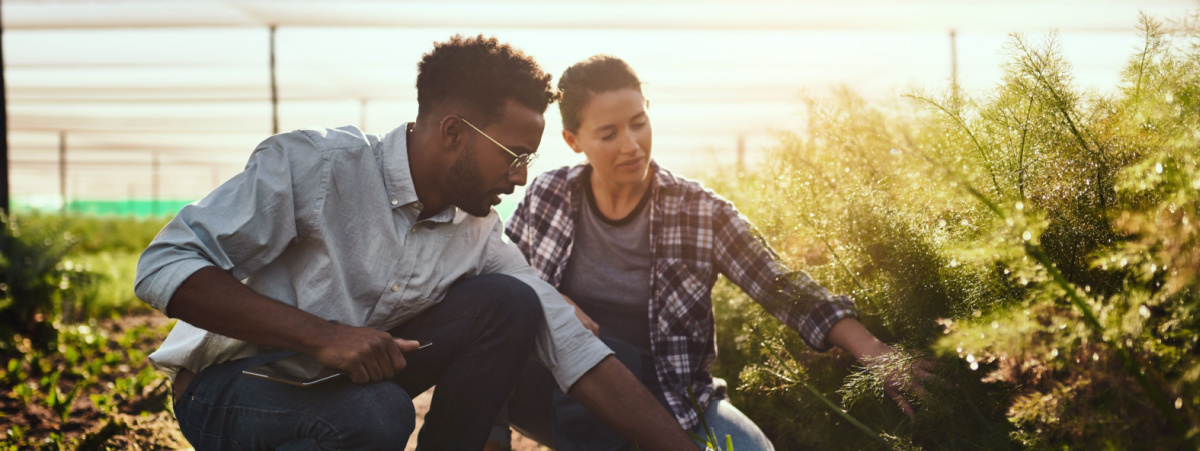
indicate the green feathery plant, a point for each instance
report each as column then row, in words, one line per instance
column 1037, row 243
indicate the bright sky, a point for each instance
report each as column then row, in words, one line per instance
column 189, row 80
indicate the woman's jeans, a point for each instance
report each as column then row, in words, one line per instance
column 540, row 411
column 482, row 333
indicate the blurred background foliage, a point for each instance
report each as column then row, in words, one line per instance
column 1037, row 244
column 74, row 338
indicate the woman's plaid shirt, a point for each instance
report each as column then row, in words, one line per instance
column 694, row 236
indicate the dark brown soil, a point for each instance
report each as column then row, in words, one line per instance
column 139, row 423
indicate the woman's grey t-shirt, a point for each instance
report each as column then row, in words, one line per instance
column 608, row 272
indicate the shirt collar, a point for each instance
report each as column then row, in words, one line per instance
column 397, row 174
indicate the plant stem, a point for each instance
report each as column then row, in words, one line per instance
column 801, row 380
column 984, row 157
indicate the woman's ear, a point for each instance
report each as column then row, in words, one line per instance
column 572, row 140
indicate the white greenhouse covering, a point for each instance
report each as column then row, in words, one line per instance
column 184, row 86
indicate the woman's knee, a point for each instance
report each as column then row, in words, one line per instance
column 725, row 419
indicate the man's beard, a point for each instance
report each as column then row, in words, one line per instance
column 465, row 186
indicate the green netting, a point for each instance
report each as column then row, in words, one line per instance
column 140, row 208
column 151, row 208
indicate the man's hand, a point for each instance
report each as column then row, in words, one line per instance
column 213, row 300
column 583, row 318
column 612, row 393
column 368, row 355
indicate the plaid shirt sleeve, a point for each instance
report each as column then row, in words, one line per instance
column 792, row 296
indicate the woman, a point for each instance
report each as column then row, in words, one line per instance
column 638, row 249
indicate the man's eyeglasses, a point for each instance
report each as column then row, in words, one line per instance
column 521, row 160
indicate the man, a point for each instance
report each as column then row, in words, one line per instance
column 355, row 249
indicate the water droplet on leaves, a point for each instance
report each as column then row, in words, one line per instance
column 1158, row 168
column 1027, row 235
column 1145, row 312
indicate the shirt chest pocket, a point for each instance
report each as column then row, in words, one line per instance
column 683, row 298
column 417, row 279
column 453, row 258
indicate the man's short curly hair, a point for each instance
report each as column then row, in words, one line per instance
column 482, row 74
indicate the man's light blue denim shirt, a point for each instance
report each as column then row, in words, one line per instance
column 326, row 220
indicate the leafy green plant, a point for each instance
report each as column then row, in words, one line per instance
column 37, row 280
column 1037, row 242
column 60, row 401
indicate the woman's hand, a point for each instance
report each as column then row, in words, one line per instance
column 901, row 380
column 583, row 318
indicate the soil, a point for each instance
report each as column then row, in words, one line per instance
column 140, row 423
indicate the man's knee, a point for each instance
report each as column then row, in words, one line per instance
column 383, row 416
column 505, row 299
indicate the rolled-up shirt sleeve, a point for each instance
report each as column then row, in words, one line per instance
column 792, row 296
column 566, row 348
column 239, row 227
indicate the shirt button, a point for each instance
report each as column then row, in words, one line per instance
column 419, row 206
column 413, row 229
column 395, row 201
column 395, row 287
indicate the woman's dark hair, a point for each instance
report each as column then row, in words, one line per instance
column 585, row 79
column 482, row 74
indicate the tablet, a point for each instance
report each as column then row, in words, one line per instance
column 300, row 370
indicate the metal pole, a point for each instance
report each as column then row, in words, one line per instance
column 362, row 114
column 954, row 62
column 274, row 88
column 130, row 202
column 741, row 153
column 4, row 206
column 154, row 182
column 62, row 169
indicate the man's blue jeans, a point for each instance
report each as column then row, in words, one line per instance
column 482, row 333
